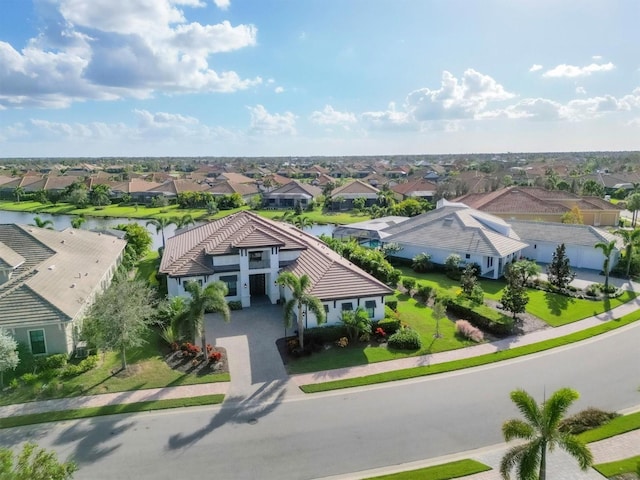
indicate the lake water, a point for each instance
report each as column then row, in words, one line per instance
column 60, row 222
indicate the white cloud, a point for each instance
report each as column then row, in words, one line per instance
column 456, row 99
column 528, row 108
column 222, row 4
column 389, row 119
column 597, row 58
column 581, row 91
column 329, row 116
column 264, row 123
column 572, row 71
column 278, row 89
column 535, row 67
column 109, row 49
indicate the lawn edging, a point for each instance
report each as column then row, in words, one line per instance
column 619, row 467
column 444, row 471
column 150, row 405
column 414, row 372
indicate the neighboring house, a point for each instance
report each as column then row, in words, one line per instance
column 291, row 194
column 48, row 280
column 248, row 252
column 246, row 190
column 343, row 196
column 476, row 236
column 235, row 178
column 538, row 204
column 369, row 233
column 419, row 188
column 579, row 240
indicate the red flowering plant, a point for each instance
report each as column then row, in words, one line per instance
column 380, row 332
column 215, row 357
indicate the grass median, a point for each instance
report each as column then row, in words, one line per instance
column 34, row 418
column 621, row 467
column 446, row 471
column 617, row 426
column 473, row 361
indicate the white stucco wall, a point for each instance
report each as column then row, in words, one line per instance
column 579, row 256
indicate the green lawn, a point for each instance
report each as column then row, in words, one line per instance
column 473, row 361
column 552, row 308
column 21, row 420
column 411, row 312
column 623, row 424
column 446, row 471
column 611, row 469
column 148, row 267
column 147, row 367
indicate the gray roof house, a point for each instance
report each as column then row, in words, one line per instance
column 290, row 194
column 48, row 280
column 370, row 232
column 247, row 252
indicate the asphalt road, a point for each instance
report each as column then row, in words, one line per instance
column 344, row 431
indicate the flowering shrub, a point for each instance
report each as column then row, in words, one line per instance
column 342, row 342
column 190, row 350
column 215, row 357
column 380, row 333
column 467, row 330
column 209, row 348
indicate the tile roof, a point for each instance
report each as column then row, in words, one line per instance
column 235, row 177
column 9, row 258
column 62, row 270
column 226, row 187
column 569, row 234
column 295, row 187
column 458, row 229
column 332, row 276
column 419, row 187
column 355, row 188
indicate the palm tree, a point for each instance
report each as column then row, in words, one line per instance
column 38, row 222
column 607, row 249
column 160, row 224
column 302, row 222
column 183, row 221
column 208, row 299
column 540, row 430
column 630, row 239
column 18, row 192
column 77, row 222
column 300, row 298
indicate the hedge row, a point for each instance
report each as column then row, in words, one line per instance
column 480, row 316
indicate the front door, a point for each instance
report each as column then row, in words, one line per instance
column 257, row 284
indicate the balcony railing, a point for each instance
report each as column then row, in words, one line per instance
column 255, row 264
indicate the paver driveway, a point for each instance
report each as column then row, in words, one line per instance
column 254, row 362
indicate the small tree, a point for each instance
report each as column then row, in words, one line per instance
column 359, row 204
column 438, row 312
column 356, row 322
column 452, row 266
column 121, row 316
column 607, row 250
column 633, row 205
column 34, row 463
column 522, row 270
column 630, row 239
column 559, row 270
column 514, row 299
column 573, row 216
column 8, row 354
column 468, row 280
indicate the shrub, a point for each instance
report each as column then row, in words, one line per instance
column 326, row 334
column 214, row 357
column 409, row 284
column 464, row 328
column 169, row 334
column 29, row 378
column 52, row 362
column 391, row 302
column 481, row 316
column 424, row 292
column 389, row 325
column 405, row 339
column 389, row 313
column 342, row 342
column 586, row 420
column 235, row 305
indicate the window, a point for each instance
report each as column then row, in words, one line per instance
column 36, row 340
column 326, row 309
column 255, row 256
column 347, row 306
column 232, row 284
column 489, row 262
column 467, row 255
column 370, row 307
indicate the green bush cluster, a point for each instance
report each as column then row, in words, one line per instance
column 424, row 292
column 84, row 366
column 326, row 334
column 235, row 305
column 480, row 316
column 389, row 325
column 391, row 302
column 586, row 420
column 405, row 339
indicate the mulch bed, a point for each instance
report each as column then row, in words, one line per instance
column 199, row 366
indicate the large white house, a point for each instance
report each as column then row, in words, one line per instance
column 48, row 280
column 247, row 252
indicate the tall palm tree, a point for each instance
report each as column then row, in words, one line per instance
column 607, row 249
column 38, row 222
column 183, row 221
column 630, row 239
column 540, row 430
column 160, row 224
column 208, row 299
column 18, row 192
column 77, row 222
column 300, row 298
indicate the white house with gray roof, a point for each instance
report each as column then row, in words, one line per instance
column 476, row 236
column 247, row 252
column 48, row 280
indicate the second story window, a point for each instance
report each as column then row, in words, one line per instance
column 255, row 256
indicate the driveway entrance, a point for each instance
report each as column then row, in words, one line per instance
column 254, row 362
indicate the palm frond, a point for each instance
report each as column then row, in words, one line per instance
column 557, row 405
column 289, row 309
column 577, row 449
column 510, row 460
column 316, row 307
column 516, row 428
column 527, row 406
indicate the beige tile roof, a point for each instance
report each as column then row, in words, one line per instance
column 332, row 277
column 226, row 187
column 60, row 183
column 235, row 177
column 61, row 271
column 9, row 257
column 354, row 189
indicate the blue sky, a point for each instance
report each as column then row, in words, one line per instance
column 317, row 77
